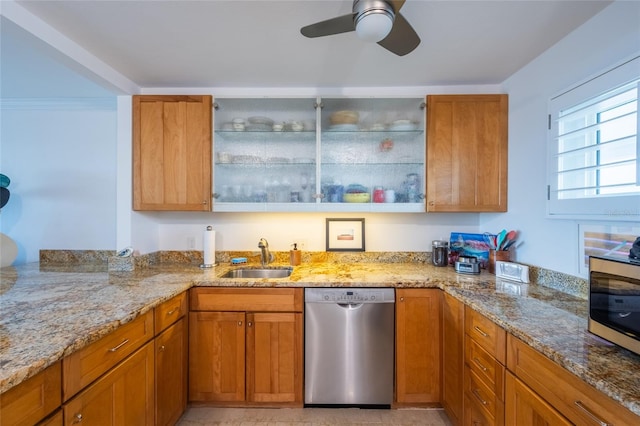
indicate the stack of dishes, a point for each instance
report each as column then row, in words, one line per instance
column 259, row 124
column 344, row 121
column 402, row 126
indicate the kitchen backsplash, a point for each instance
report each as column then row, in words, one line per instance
column 563, row 282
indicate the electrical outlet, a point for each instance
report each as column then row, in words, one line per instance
column 191, row 243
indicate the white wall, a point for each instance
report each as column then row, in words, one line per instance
column 61, row 158
column 606, row 39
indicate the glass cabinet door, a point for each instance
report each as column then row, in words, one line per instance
column 372, row 154
column 265, row 154
column 286, row 154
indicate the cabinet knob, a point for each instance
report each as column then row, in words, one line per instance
column 77, row 418
column 162, row 348
column 249, row 324
column 239, row 323
column 402, row 299
column 215, row 195
column 204, row 202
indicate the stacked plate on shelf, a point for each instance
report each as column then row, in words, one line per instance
column 403, row 126
column 259, row 124
column 344, row 121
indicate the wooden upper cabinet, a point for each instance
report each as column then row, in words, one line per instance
column 467, row 153
column 172, row 143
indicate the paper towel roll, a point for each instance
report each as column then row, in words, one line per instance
column 209, row 238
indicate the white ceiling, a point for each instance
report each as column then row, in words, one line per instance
column 240, row 43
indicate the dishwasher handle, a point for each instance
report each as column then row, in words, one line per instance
column 350, row 305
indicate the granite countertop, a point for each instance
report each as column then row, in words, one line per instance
column 48, row 312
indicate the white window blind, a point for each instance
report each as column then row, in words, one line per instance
column 593, row 149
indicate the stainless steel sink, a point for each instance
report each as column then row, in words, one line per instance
column 258, row 273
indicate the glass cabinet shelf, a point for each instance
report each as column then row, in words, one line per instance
column 288, row 154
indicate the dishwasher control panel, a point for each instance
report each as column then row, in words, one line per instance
column 351, row 295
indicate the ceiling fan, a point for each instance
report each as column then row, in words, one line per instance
column 373, row 20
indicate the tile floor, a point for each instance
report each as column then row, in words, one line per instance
column 205, row 416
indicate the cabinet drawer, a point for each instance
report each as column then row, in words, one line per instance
column 169, row 312
column 487, row 368
column 84, row 366
column 576, row 400
column 486, row 333
column 247, row 299
column 482, row 396
column 474, row 415
column 33, row 399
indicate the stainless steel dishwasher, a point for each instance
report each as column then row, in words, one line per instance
column 349, row 346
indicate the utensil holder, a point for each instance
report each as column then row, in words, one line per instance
column 495, row 255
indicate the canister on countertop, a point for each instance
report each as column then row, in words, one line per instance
column 440, row 252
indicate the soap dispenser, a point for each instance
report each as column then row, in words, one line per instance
column 295, row 255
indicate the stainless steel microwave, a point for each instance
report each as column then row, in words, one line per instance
column 614, row 301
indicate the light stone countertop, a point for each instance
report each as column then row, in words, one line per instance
column 48, row 311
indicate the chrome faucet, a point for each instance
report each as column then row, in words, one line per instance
column 265, row 256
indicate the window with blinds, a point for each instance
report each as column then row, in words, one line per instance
column 594, row 153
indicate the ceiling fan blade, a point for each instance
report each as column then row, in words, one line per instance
column 396, row 5
column 402, row 39
column 341, row 24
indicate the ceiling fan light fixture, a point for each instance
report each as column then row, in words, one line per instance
column 374, row 24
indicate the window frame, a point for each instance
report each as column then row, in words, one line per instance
column 610, row 207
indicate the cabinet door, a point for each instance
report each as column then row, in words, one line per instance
column 172, row 141
column 274, row 357
column 123, row 396
column 33, row 399
column 467, row 153
column 171, row 373
column 452, row 357
column 525, row 408
column 418, row 354
column 216, row 356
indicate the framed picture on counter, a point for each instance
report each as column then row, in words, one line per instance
column 345, row 234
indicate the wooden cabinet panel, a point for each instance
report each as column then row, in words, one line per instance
column 84, row 366
column 452, row 357
column 579, row 402
column 486, row 333
column 418, row 349
column 171, row 373
column 53, row 420
column 172, row 143
column 485, row 366
column 483, row 397
column 123, row 396
column 247, row 299
column 217, row 356
column 170, row 311
column 33, row 399
column 525, row 408
column 467, row 144
column 274, row 357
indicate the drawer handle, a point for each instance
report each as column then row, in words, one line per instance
column 124, row 342
column 77, row 418
column 173, row 311
column 591, row 414
column 479, row 330
column 479, row 364
column 476, row 392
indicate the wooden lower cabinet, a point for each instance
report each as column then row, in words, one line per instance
column 452, row 357
column 216, row 356
column 171, row 373
column 33, row 399
column 274, row 351
column 243, row 357
column 123, row 396
column 418, row 346
column 525, row 408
